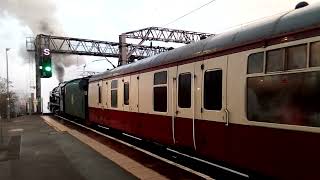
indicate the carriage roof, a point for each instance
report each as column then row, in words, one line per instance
column 292, row 21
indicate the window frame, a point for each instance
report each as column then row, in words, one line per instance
column 154, row 77
column 124, row 94
column 307, row 56
column 284, row 61
column 285, row 47
column 160, row 85
column 308, row 68
column 203, row 90
column 99, row 94
column 263, row 63
column 116, row 90
column 178, row 94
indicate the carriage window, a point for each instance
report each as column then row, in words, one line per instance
column 160, row 92
column 212, row 95
column 114, row 93
column 99, row 94
column 285, row 99
column 184, row 90
column 297, row 57
column 275, row 60
column 114, row 84
column 126, row 93
column 315, row 54
column 160, row 78
column 114, row 98
column 160, row 99
column 255, row 63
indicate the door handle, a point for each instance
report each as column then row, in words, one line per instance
column 227, row 116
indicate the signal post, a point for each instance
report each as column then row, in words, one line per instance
column 43, row 70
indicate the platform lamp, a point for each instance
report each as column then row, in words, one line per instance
column 8, row 95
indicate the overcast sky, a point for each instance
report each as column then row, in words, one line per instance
column 106, row 19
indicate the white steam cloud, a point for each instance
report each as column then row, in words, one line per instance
column 39, row 17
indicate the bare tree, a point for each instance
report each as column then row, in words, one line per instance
column 3, row 99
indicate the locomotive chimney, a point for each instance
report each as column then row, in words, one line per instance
column 301, row 5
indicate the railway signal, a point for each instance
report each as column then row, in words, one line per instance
column 46, row 65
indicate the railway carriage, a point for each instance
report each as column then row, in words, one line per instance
column 247, row 97
column 76, row 99
column 70, row 99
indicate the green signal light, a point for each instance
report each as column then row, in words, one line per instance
column 48, row 68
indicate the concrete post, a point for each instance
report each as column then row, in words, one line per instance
column 123, row 50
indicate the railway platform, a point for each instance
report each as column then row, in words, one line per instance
column 39, row 147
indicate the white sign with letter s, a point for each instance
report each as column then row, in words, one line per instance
column 46, row 52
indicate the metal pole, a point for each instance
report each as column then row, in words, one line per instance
column 8, row 95
column 123, row 50
column 42, row 106
column 1, row 131
column 38, row 78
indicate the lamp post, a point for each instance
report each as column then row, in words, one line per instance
column 1, row 135
column 8, row 95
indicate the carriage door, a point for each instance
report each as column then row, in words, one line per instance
column 99, row 92
column 134, row 93
column 214, row 72
column 185, row 115
column 126, row 93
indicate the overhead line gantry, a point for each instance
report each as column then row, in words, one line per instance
column 126, row 52
column 156, row 34
column 78, row 46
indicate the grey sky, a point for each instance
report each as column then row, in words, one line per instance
column 106, row 19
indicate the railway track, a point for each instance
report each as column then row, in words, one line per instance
column 202, row 168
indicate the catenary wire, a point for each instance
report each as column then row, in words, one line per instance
column 206, row 4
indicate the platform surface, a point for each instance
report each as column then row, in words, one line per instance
column 31, row 149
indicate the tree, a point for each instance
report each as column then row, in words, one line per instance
column 3, row 98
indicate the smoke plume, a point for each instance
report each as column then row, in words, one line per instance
column 39, row 17
column 59, row 70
